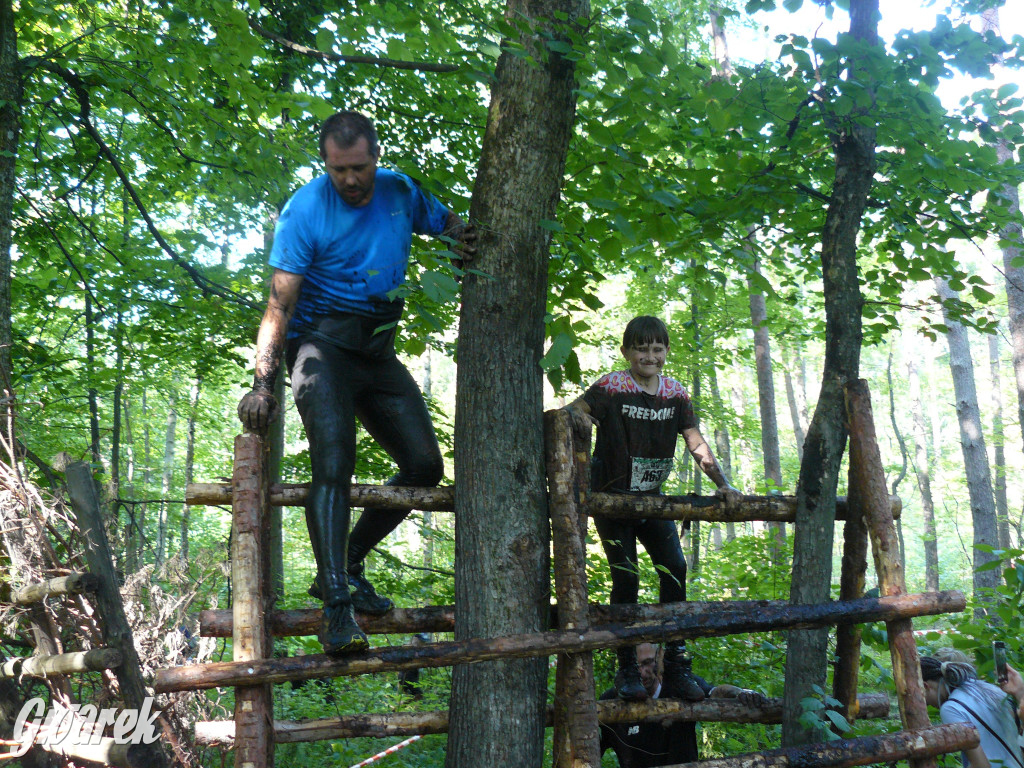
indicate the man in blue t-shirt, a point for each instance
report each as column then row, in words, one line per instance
column 340, row 249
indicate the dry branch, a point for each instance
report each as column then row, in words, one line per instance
column 547, row 643
column 886, row 748
column 402, row 724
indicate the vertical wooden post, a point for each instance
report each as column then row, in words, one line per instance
column 576, row 736
column 250, row 579
column 867, row 473
column 851, row 586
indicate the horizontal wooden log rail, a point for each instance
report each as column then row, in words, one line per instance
column 403, row 724
column 296, row 623
column 776, row 509
column 546, row 643
column 767, row 508
column 865, row 750
column 61, row 664
column 72, row 584
column 294, row 495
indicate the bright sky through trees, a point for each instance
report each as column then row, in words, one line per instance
column 756, row 45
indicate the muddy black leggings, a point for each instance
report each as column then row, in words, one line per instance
column 660, row 539
column 332, row 387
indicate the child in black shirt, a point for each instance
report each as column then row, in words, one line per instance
column 639, row 413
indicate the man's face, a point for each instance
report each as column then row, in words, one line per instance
column 646, row 360
column 352, row 170
column 647, row 659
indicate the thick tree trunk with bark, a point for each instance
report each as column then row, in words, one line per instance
column 972, row 443
column 923, row 469
column 10, row 131
column 501, row 532
column 854, row 148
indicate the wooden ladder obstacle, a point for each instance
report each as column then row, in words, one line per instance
column 581, row 627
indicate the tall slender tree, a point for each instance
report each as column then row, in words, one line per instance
column 998, row 444
column 972, row 443
column 923, row 471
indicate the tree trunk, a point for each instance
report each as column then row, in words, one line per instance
column 90, row 373
column 427, row 528
column 972, row 442
column 698, row 476
column 10, row 131
column 854, row 147
column 923, row 469
column 722, row 447
column 796, row 414
column 766, row 407
column 165, row 486
column 190, row 457
column 147, row 477
column 115, row 433
column 759, row 322
column 501, row 528
column 903, row 458
column 999, row 452
column 1014, row 272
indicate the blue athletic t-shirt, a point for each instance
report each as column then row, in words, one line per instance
column 351, row 257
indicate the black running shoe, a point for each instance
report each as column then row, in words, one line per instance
column 365, row 598
column 339, row 633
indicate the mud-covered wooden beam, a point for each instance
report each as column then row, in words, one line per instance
column 476, row 650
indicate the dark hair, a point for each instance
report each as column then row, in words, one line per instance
column 345, row 129
column 954, row 673
column 644, row 330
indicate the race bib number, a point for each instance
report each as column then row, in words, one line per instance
column 649, row 474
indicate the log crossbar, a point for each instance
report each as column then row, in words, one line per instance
column 404, row 724
column 72, row 584
column 302, row 622
column 61, row 664
column 690, row 507
column 546, row 643
column 916, row 745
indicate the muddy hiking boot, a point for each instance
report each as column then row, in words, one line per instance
column 339, row 633
column 364, row 597
column 678, row 676
column 628, row 685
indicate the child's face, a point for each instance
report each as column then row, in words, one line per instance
column 646, row 360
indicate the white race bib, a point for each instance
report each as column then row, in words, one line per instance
column 649, row 474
